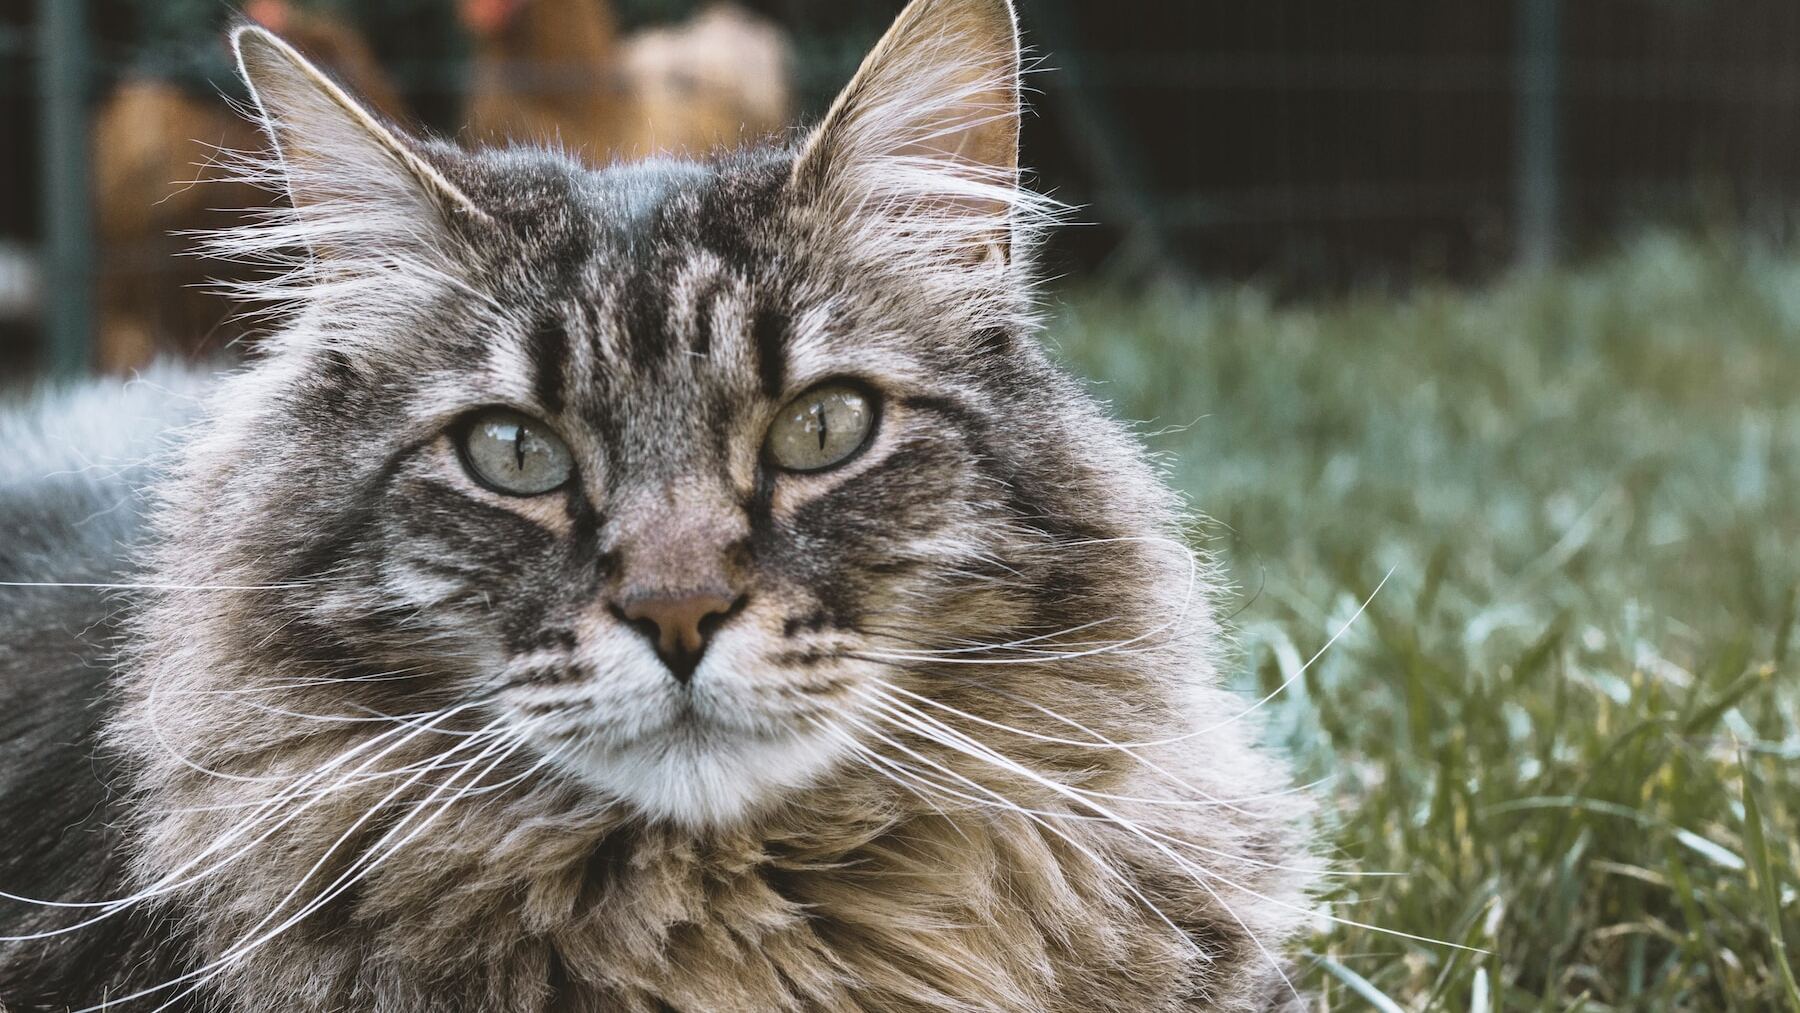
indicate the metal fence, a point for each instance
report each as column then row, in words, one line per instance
column 1307, row 144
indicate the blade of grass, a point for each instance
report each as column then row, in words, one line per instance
column 1768, row 891
column 1361, row 986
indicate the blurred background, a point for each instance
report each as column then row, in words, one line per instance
column 1306, row 145
column 1473, row 324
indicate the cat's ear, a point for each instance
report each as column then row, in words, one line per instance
column 334, row 155
column 924, row 142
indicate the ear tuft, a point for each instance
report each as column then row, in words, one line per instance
column 329, row 146
column 365, row 233
column 924, row 142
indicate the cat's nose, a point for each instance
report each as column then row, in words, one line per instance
column 679, row 624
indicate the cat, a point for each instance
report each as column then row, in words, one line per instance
column 678, row 585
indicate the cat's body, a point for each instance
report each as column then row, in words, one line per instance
column 71, row 505
column 655, row 705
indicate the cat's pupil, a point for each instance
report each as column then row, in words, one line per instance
column 820, row 428
column 515, row 454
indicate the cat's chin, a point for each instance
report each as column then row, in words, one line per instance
column 705, row 776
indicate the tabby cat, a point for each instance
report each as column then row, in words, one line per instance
column 683, row 585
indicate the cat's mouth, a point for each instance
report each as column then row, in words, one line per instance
column 746, row 728
column 698, row 770
column 697, row 755
column 698, row 720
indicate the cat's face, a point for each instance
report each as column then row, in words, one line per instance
column 671, row 492
column 676, row 470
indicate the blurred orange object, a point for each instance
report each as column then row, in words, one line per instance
column 552, row 71
column 155, row 149
column 557, row 71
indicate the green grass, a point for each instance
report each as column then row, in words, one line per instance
column 1570, row 719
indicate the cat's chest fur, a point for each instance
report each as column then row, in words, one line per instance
column 991, row 912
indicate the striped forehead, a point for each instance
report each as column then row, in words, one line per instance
column 674, row 308
column 686, row 322
column 636, row 321
column 667, row 288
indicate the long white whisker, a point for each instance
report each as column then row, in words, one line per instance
column 1290, row 680
column 174, row 879
column 952, row 739
column 1099, row 863
column 978, row 648
column 861, row 753
column 1173, row 622
column 1206, row 798
column 289, row 586
column 944, row 729
column 370, row 860
column 506, row 743
column 1197, row 874
column 1185, row 736
column 349, row 781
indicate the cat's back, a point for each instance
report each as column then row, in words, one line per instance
column 74, row 471
column 74, row 466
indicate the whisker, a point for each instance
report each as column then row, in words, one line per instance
column 507, row 744
column 969, row 747
column 976, row 647
column 173, row 880
column 1170, row 838
column 1004, row 803
column 1102, row 743
column 1099, row 740
column 369, row 861
column 1289, row 681
column 922, row 796
column 1112, row 647
column 307, row 682
column 287, row 586
column 975, row 750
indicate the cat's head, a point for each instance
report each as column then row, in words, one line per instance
column 697, row 476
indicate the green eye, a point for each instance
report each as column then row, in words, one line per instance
column 821, row 428
column 513, row 454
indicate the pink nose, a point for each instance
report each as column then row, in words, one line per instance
column 679, row 624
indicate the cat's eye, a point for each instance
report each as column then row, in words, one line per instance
column 514, row 454
column 821, row 428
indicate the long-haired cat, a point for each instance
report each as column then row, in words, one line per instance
column 670, row 586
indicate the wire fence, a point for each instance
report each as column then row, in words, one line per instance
column 1307, row 144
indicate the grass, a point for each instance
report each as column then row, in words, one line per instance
column 1571, row 718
